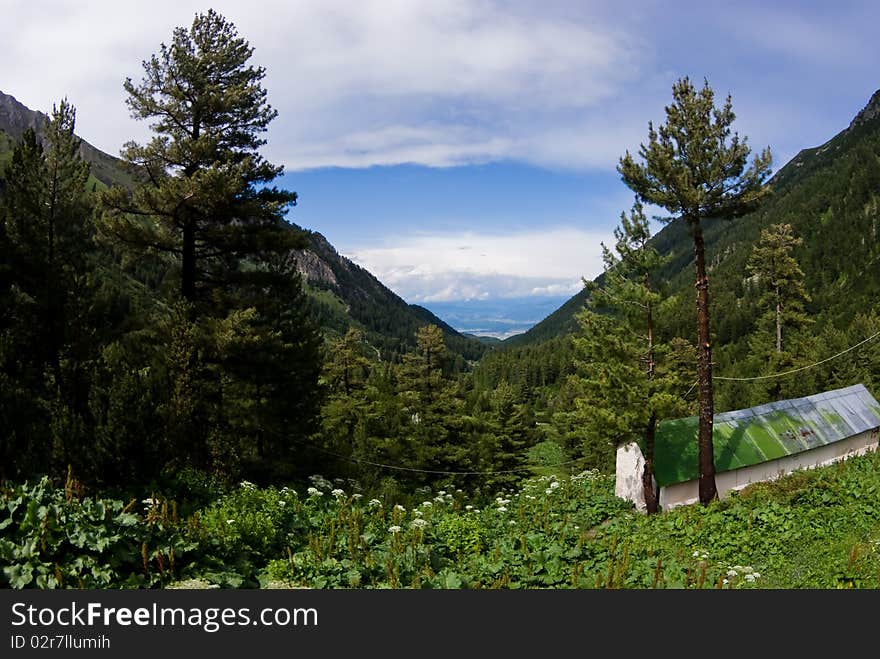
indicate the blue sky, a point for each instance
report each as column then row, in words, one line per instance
column 467, row 150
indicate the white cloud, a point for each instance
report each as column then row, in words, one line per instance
column 356, row 83
column 473, row 266
column 381, row 82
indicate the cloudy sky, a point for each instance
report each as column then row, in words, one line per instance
column 466, row 149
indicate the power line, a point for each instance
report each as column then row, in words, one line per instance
column 802, row 368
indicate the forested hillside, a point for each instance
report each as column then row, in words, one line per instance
column 348, row 296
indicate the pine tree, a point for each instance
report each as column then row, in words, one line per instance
column 629, row 379
column 246, row 358
column 206, row 204
column 48, row 239
column 781, row 279
column 696, row 169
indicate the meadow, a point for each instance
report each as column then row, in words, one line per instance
column 812, row 529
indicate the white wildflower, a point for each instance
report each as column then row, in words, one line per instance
column 394, row 529
column 282, row 503
column 373, row 503
column 554, row 485
column 750, row 577
column 757, row 575
column 418, row 524
column 418, row 513
column 548, row 491
column 732, row 573
column 313, row 491
column 439, row 499
column 469, row 507
column 399, row 508
column 247, row 485
column 230, row 521
column 725, row 582
column 696, row 554
column 357, row 496
column 426, row 504
column 338, row 493
column 441, row 493
column 501, row 509
column 512, row 522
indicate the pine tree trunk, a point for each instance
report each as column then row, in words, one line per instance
column 648, row 475
column 188, row 274
column 778, row 322
column 651, row 498
column 706, row 460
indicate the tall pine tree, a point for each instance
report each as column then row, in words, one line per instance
column 246, row 351
column 696, row 168
column 207, row 203
column 45, row 334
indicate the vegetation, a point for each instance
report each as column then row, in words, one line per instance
column 169, row 383
column 813, row 529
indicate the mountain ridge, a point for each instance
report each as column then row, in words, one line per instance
column 16, row 118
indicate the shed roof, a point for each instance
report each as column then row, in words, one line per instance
column 742, row 438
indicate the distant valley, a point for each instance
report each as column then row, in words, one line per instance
column 500, row 318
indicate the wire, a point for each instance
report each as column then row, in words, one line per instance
column 802, row 368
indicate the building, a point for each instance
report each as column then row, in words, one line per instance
column 757, row 444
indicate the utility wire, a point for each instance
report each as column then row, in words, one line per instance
column 802, row 368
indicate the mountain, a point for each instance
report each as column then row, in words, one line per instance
column 16, row 118
column 830, row 194
column 348, row 295
column 345, row 294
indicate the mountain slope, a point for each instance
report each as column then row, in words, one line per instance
column 16, row 118
column 348, row 295
column 830, row 194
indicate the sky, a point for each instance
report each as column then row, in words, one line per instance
column 466, row 151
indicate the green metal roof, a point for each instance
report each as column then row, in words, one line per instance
column 747, row 437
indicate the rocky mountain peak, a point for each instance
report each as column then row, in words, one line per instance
column 15, row 118
column 869, row 112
